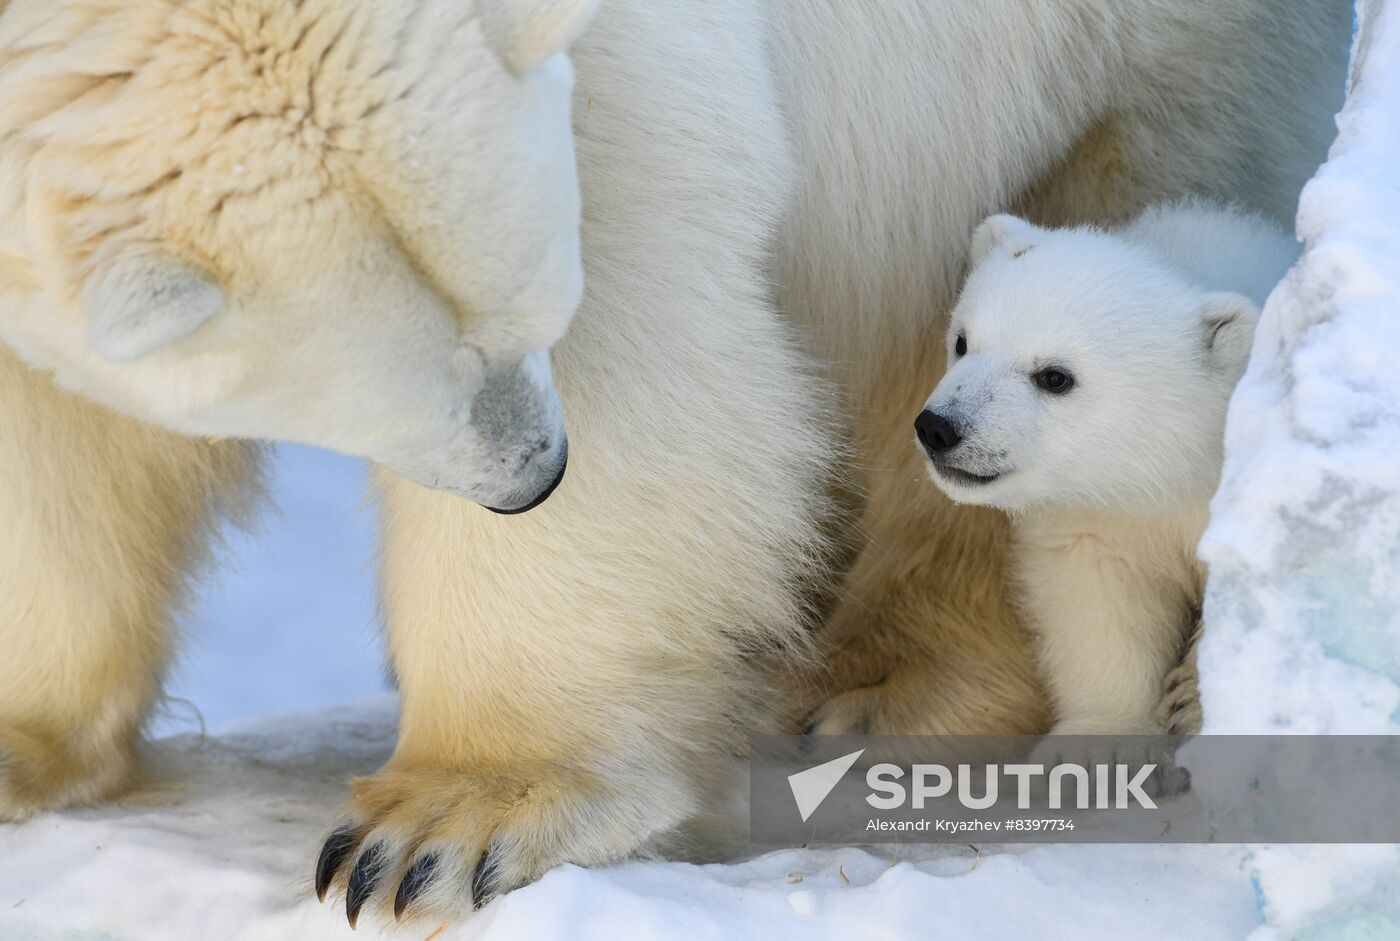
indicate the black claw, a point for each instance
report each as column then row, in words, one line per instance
column 338, row 846
column 420, row 875
column 363, row 880
column 484, row 878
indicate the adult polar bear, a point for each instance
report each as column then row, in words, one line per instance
column 568, row 676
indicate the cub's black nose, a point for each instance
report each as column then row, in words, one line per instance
column 936, row 433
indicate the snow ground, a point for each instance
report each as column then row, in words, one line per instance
column 225, row 853
column 1304, row 600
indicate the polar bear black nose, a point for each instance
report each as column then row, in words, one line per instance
column 936, row 433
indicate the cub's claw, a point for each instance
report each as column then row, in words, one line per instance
column 338, row 846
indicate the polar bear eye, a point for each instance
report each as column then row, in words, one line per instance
column 1054, row 381
column 960, row 347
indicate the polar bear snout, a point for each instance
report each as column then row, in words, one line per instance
column 520, row 418
column 509, row 481
column 955, row 466
column 505, row 448
column 974, row 430
column 544, row 494
column 937, row 433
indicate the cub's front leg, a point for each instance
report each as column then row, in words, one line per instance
column 1107, row 629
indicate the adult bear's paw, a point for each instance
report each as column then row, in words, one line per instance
column 433, row 842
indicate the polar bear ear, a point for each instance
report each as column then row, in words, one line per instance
column 143, row 298
column 1229, row 320
column 1000, row 230
column 525, row 33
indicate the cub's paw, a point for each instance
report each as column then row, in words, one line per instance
column 442, row 843
column 1179, row 711
column 1134, row 747
column 884, row 683
column 910, row 702
column 855, row 712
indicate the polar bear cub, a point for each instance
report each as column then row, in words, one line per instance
column 1086, row 395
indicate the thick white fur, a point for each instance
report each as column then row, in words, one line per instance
column 574, row 678
column 1108, row 483
column 247, row 219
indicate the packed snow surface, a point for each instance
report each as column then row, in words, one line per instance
column 1303, row 606
column 225, row 852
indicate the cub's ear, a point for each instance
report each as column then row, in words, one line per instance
column 140, row 298
column 1001, row 230
column 1229, row 321
column 525, row 33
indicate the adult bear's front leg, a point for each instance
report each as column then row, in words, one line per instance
column 577, row 681
column 102, row 520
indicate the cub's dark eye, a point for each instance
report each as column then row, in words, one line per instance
column 1054, row 381
column 960, row 347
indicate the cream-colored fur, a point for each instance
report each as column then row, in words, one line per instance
column 1111, row 599
column 574, row 679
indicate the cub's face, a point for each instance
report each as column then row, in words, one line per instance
column 353, row 225
column 1083, row 373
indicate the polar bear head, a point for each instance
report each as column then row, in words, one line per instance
column 1084, row 372
column 348, row 223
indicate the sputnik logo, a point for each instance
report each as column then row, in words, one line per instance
column 811, row 787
